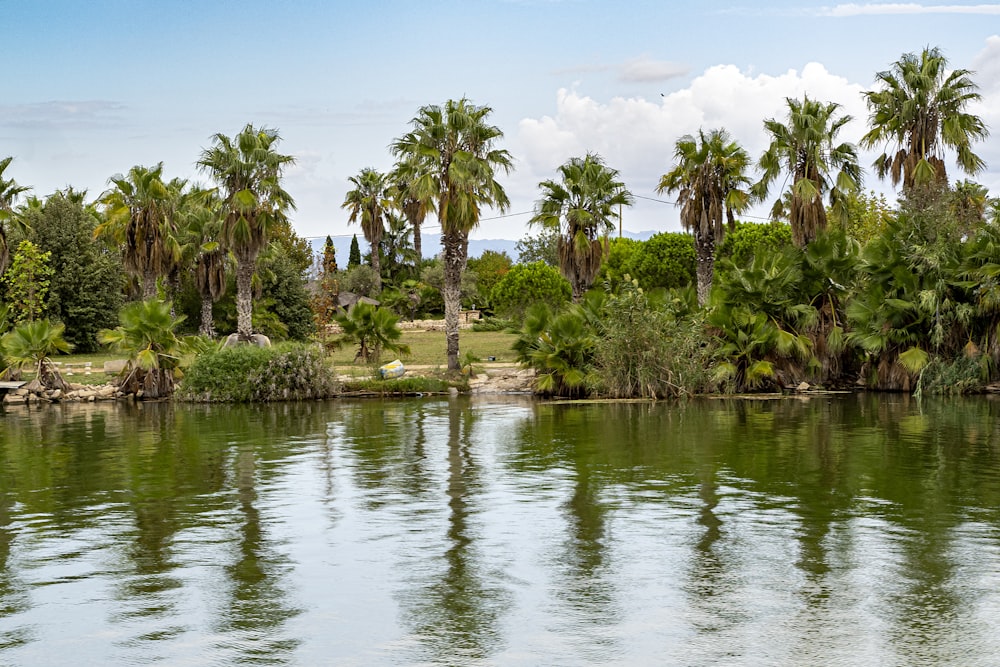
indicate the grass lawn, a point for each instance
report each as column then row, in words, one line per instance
column 427, row 348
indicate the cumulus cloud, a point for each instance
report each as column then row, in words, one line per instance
column 880, row 9
column 637, row 136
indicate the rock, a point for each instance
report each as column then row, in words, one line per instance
column 55, row 394
column 803, row 386
column 260, row 340
column 13, row 399
column 107, row 391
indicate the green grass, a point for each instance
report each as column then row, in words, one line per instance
column 428, row 348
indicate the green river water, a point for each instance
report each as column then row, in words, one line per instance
column 846, row 530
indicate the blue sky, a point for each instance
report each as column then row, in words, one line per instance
column 91, row 89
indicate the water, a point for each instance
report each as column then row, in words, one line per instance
column 832, row 531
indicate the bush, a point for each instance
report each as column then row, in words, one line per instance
column 250, row 374
column 527, row 284
column 398, row 386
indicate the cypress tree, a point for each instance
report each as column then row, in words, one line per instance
column 355, row 257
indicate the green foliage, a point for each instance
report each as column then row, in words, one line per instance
column 354, row 256
column 749, row 239
column 251, row 374
column 147, row 335
column 283, row 284
column 373, row 329
column 85, row 290
column 867, row 216
column 666, row 260
column 432, row 275
column 404, row 386
column 492, row 324
column 540, row 247
column 33, row 343
column 527, row 284
column 966, row 374
column 644, row 350
column 362, row 280
column 488, row 268
column 27, row 282
column 329, row 261
column 559, row 346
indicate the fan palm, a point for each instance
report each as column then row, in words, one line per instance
column 34, row 343
column 413, row 207
column 369, row 205
column 919, row 112
column 711, row 184
column 805, row 148
column 582, row 208
column 451, row 158
column 203, row 230
column 139, row 219
column 248, row 170
column 9, row 192
column 373, row 329
column 147, row 335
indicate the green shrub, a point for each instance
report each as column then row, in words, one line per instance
column 250, row 374
column 397, row 386
column 527, row 284
column 492, row 324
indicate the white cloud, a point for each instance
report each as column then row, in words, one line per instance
column 986, row 65
column 62, row 114
column 637, row 136
column 877, row 9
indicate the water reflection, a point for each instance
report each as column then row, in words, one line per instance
column 842, row 531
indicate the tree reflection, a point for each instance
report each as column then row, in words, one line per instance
column 456, row 616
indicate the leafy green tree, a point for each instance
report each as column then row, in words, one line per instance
column 373, row 329
column 583, row 206
column 10, row 191
column 329, row 265
column 489, row 268
column 248, row 170
column 528, row 284
column 806, row 149
column 361, row 280
column 27, row 282
column 711, row 182
column 354, row 257
column 140, row 219
column 920, row 112
column 369, row 205
column 867, row 216
column 147, row 334
column 540, row 247
column 33, row 343
column 664, row 260
column 969, row 201
column 748, row 239
column 86, row 286
column 283, row 284
column 451, row 159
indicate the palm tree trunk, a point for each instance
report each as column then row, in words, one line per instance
column 455, row 247
column 245, row 264
column 705, row 253
column 416, row 243
column 377, row 265
column 207, row 327
column 148, row 285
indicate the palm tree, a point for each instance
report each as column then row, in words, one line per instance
column 373, row 329
column 33, row 343
column 9, row 192
column 140, row 220
column 203, row 230
column 451, row 158
column 806, row 149
column 918, row 113
column 368, row 203
column 582, row 208
column 248, row 170
column 147, row 335
column 710, row 181
column 407, row 200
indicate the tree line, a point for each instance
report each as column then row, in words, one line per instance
column 767, row 314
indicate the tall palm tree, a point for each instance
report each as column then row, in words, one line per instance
column 413, row 207
column 203, row 231
column 918, row 113
column 140, row 219
column 711, row 182
column 583, row 208
column 452, row 159
column 805, row 148
column 369, row 203
column 248, row 170
column 9, row 192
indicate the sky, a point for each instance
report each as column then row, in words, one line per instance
column 90, row 89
